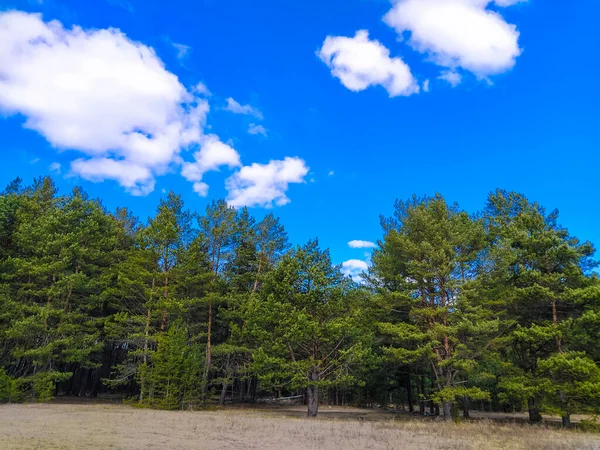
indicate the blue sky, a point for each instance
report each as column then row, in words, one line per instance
column 325, row 133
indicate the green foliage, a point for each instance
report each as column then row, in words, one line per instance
column 499, row 309
column 571, row 382
column 421, row 270
column 9, row 391
column 306, row 325
column 169, row 379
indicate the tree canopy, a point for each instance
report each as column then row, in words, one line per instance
column 495, row 310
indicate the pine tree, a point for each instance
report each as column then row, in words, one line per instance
column 420, row 267
column 537, row 280
column 306, row 325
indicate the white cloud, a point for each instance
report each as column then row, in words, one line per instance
column 113, row 101
column 201, row 89
column 34, row 161
column 257, row 129
column 136, row 178
column 354, row 268
column 458, row 33
column 331, row 173
column 426, row 86
column 55, row 167
column 212, row 155
column 360, row 62
column 265, row 184
column 454, row 78
column 237, row 108
column 100, row 93
column 361, row 244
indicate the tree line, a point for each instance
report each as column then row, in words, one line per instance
column 498, row 310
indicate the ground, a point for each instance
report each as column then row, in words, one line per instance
column 104, row 426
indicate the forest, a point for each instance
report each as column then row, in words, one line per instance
column 496, row 311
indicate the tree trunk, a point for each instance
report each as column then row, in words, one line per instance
column 207, row 361
column 447, row 411
column 566, row 420
column 534, row 412
column 422, row 395
column 313, row 394
column 163, row 324
column 223, row 394
column 434, row 408
column 228, row 375
column 555, row 321
column 466, row 414
column 411, row 406
column 255, row 287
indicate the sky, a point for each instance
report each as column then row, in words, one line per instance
column 322, row 112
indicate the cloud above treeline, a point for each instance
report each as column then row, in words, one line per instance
column 113, row 101
column 361, row 244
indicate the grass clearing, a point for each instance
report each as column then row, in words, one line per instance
column 102, row 426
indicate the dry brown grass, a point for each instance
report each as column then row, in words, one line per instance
column 97, row 426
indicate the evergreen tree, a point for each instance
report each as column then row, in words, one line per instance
column 537, row 279
column 306, row 325
column 422, row 263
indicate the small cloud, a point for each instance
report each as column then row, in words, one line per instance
column 359, row 62
column 183, row 50
column 331, row 173
column 426, row 86
column 265, row 185
column 55, row 167
column 34, row 161
column 201, row 89
column 211, row 156
column 454, row 78
column 237, row 108
column 257, row 129
column 164, row 191
column 201, row 188
column 361, row 244
column 353, row 268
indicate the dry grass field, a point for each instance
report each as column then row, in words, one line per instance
column 101, row 426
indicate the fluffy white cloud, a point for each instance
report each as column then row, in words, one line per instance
column 459, row 33
column 265, row 184
column 354, row 268
column 55, row 167
column 212, row 155
column 360, row 62
column 100, row 93
column 257, row 129
column 236, row 108
column 361, row 244
column 454, row 78
column 136, row 178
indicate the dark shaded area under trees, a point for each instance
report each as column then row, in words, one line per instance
column 497, row 311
